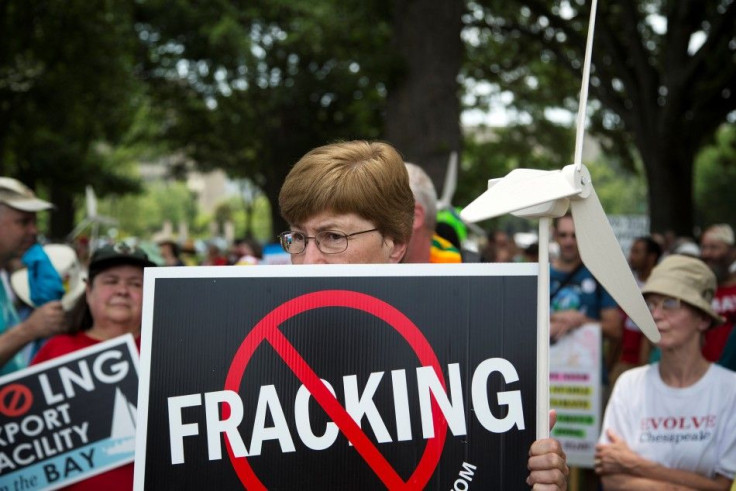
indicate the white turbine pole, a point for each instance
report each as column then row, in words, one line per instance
column 543, row 331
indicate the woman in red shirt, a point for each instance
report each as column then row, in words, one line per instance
column 111, row 307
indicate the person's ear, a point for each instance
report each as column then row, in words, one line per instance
column 397, row 252
column 419, row 216
column 704, row 322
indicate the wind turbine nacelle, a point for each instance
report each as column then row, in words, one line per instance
column 530, row 193
column 550, row 209
column 578, row 178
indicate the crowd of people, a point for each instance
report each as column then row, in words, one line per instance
column 359, row 202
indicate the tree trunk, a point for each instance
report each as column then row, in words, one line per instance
column 670, row 175
column 271, row 188
column 248, row 219
column 62, row 217
column 278, row 224
column 423, row 114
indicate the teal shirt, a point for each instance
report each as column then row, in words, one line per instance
column 9, row 318
column 728, row 357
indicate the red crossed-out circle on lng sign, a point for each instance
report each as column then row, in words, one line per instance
column 268, row 330
column 15, row 400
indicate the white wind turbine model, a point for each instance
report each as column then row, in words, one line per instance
column 448, row 191
column 92, row 219
column 542, row 194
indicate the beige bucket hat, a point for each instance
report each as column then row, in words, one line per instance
column 688, row 279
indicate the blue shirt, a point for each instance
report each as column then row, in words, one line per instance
column 581, row 292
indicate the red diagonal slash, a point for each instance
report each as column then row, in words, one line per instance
column 267, row 329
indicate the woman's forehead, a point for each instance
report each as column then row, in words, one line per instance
column 330, row 220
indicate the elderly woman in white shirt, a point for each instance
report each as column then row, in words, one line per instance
column 672, row 424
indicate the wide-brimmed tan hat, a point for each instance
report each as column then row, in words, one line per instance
column 688, row 279
column 17, row 195
column 65, row 262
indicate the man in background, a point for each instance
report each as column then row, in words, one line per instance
column 643, row 257
column 717, row 250
column 425, row 245
column 18, row 230
column 576, row 298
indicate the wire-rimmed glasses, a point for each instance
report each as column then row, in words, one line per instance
column 328, row 241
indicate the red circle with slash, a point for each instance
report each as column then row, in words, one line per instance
column 15, row 400
column 268, row 330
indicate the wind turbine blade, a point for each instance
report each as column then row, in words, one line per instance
column 477, row 230
column 521, row 188
column 78, row 229
column 91, row 200
column 448, row 189
column 602, row 255
column 580, row 125
column 104, row 220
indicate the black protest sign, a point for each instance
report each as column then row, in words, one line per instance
column 340, row 377
column 69, row 418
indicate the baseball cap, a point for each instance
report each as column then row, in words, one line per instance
column 15, row 194
column 688, row 279
column 115, row 255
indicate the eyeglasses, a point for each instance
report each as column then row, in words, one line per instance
column 667, row 304
column 328, row 241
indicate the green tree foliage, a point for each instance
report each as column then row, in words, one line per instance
column 494, row 152
column 715, row 179
column 88, row 88
column 249, row 87
column 620, row 192
column 662, row 80
column 143, row 215
column 66, row 88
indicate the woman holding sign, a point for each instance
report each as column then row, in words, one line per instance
column 111, row 307
column 673, row 424
column 350, row 203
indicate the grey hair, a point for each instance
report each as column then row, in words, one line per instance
column 424, row 193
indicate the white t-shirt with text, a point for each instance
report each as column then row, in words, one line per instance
column 691, row 428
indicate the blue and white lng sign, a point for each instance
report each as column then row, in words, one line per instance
column 69, row 418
